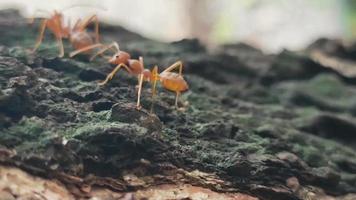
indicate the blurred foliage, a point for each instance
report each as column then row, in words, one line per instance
column 350, row 17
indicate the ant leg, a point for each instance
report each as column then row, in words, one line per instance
column 76, row 25
column 141, row 60
column 138, row 105
column 175, row 65
column 85, row 23
column 138, row 82
column 170, row 68
column 154, row 92
column 76, row 52
column 40, row 36
column 60, row 46
column 139, row 76
column 112, row 74
column 114, row 44
column 154, row 85
column 155, row 79
column 176, row 101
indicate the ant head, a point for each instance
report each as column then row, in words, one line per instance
column 120, row 57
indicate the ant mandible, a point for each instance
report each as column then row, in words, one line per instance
column 170, row 80
column 77, row 35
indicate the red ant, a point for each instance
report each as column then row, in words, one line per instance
column 77, row 35
column 170, row 80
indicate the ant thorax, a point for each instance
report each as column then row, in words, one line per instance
column 135, row 66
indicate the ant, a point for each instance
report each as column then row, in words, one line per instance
column 170, row 80
column 77, row 35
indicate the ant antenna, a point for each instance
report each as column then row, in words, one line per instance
column 116, row 45
column 108, row 47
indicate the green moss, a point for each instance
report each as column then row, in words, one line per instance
column 305, row 114
column 247, row 120
column 327, row 85
column 96, row 128
column 324, row 91
column 29, row 135
column 27, row 129
column 102, row 116
column 18, row 52
column 310, row 154
column 318, row 152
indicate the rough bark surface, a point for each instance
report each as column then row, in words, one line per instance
column 257, row 126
